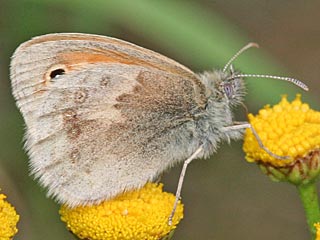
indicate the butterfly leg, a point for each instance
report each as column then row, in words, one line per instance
column 244, row 125
column 181, row 178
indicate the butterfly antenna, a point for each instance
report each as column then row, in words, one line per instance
column 288, row 79
column 246, row 47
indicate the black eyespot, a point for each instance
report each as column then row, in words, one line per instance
column 54, row 72
column 57, row 72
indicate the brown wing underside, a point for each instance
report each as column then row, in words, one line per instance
column 114, row 111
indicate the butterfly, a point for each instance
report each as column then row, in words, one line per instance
column 104, row 116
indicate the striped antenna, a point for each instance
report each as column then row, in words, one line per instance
column 246, row 47
column 288, row 79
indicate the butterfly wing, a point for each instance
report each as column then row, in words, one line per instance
column 102, row 115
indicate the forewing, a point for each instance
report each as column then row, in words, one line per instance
column 101, row 114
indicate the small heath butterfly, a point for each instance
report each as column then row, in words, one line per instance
column 104, row 116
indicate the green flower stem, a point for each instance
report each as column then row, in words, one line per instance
column 169, row 236
column 310, row 202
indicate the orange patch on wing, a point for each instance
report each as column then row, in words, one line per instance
column 74, row 59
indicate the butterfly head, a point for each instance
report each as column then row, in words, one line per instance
column 224, row 87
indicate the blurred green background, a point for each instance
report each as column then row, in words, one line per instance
column 225, row 197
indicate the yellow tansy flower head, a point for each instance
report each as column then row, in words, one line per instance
column 317, row 226
column 135, row 215
column 8, row 219
column 287, row 129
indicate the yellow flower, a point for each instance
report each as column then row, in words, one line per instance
column 317, row 226
column 140, row 214
column 286, row 129
column 8, row 219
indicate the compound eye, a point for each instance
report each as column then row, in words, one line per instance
column 228, row 89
